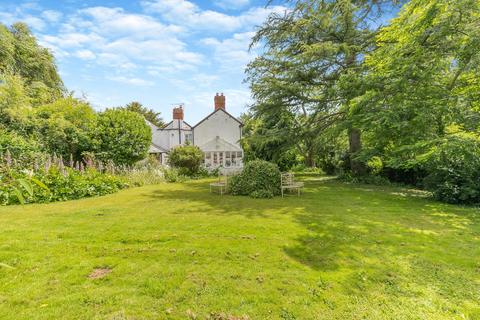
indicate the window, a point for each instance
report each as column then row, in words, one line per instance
column 188, row 138
column 228, row 161
column 215, row 159
column 220, row 158
column 207, row 159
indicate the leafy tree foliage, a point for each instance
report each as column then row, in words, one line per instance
column 307, row 52
column 123, row 136
column 453, row 166
column 35, row 65
column 187, row 159
column 65, row 127
column 423, row 78
column 14, row 103
column 151, row 115
column 7, row 50
column 270, row 139
column 21, row 148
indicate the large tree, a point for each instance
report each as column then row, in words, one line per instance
column 149, row 114
column 66, row 127
column 423, row 78
column 307, row 51
column 21, row 55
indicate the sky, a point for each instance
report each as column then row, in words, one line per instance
column 158, row 52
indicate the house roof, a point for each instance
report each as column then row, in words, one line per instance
column 228, row 114
column 166, row 125
column 155, row 148
column 219, row 144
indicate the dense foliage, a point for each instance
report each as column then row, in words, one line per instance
column 453, row 166
column 259, row 179
column 38, row 118
column 187, row 159
column 151, row 115
column 358, row 95
column 54, row 183
column 123, row 136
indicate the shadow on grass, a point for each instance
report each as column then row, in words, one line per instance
column 380, row 237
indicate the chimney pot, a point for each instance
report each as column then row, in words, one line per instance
column 178, row 113
column 219, row 101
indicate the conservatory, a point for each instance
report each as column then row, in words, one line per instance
column 220, row 153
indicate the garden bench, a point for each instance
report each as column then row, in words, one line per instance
column 288, row 183
column 220, row 185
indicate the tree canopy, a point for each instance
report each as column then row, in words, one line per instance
column 150, row 115
column 405, row 91
column 123, row 136
column 35, row 108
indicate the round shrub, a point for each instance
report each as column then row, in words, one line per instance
column 259, row 179
column 187, row 159
column 453, row 168
column 123, row 136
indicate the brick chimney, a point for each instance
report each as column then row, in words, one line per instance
column 219, row 101
column 178, row 113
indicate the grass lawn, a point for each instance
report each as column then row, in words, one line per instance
column 174, row 251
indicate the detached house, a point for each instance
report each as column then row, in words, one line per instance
column 217, row 135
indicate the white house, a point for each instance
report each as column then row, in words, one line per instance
column 217, row 135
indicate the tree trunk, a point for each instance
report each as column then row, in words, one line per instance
column 310, row 159
column 355, row 141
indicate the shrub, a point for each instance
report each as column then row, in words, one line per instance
column 123, row 136
column 259, row 179
column 375, row 165
column 21, row 149
column 453, row 168
column 187, row 159
column 143, row 177
column 72, row 184
column 172, row 175
column 58, row 185
column 145, row 172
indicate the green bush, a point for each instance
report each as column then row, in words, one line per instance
column 453, row 168
column 72, row 184
column 173, row 175
column 259, row 179
column 375, row 165
column 123, row 136
column 59, row 185
column 23, row 150
column 187, row 159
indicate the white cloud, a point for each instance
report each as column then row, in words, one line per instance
column 115, row 22
column 236, row 100
column 232, row 53
column 52, row 15
column 73, row 39
column 84, row 54
column 188, row 14
column 122, row 40
column 132, row 81
column 232, row 4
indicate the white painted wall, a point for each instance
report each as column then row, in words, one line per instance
column 167, row 138
column 218, row 124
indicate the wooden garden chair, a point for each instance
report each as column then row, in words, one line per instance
column 220, row 185
column 288, row 183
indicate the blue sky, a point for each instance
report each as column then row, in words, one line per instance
column 158, row 52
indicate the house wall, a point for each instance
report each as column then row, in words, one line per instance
column 168, row 137
column 218, row 124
